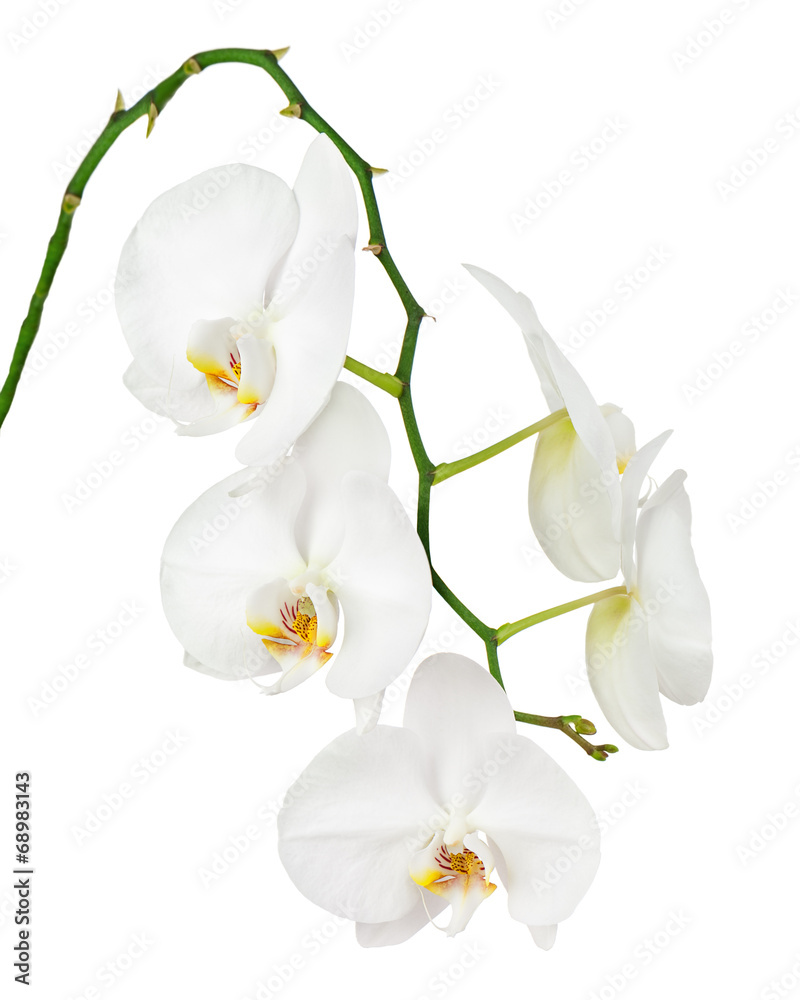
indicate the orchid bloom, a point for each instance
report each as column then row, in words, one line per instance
column 657, row 636
column 235, row 296
column 256, row 571
column 574, row 498
column 390, row 828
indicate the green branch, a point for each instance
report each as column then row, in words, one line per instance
column 509, row 629
column 447, row 469
column 574, row 727
column 383, row 380
column 398, row 385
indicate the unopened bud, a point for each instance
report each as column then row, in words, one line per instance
column 585, row 728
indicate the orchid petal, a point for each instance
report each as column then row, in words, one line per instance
column 679, row 627
column 368, row 711
column 535, row 816
column 382, row 579
column 400, row 930
column 257, row 369
column 458, row 738
column 544, row 937
column 328, row 216
column 521, row 310
column 622, row 672
column 632, row 482
column 176, row 404
column 349, row 825
column 347, row 436
column 310, row 344
column 570, row 506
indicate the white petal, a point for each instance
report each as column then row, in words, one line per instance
column 219, row 551
column 202, row 250
column 382, row 579
column 349, row 825
column 328, row 215
column 521, row 310
column 453, row 704
column 227, row 412
column 398, row 931
column 570, row 506
column 179, row 405
column 347, row 436
column 368, row 711
column 544, row 937
column 622, row 431
column 561, row 384
column 623, row 674
column 670, row 588
column 632, row 482
column 258, row 369
column 545, row 829
column 310, row 344
column 211, row 348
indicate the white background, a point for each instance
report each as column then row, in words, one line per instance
column 681, row 841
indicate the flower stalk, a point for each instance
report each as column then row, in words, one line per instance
column 151, row 106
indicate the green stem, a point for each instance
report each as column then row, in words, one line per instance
column 398, row 385
column 509, row 629
column 383, row 380
column 447, row 469
column 565, row 723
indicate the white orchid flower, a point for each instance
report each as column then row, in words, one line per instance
column 256, row 571
column 235, row 295
column 390, row 828
column 657, row 637
column 574, row 498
